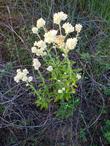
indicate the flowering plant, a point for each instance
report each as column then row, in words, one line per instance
column 55, row 77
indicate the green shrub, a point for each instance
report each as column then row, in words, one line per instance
column 54, row 70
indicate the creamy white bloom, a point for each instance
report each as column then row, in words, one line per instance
column 68, row 28
column 22, row 76
column 25, row 71
column 34, row 50
column 50, row 68
column 17, row 78
column 40, row 23
column 71, row 43
column 60, row 91
column 39, row 48
column 63, row 88
column 18, row 70
column 58, row 17
column 60, row 41
column 50, row 36
column 40, row 44
column 78, row 27
column 35, row 30
column 36, row 64
column 38, row 51
column 78, row 76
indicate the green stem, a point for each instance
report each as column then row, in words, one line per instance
column 50, row 56
column 41, row 76
column 38, row 36
column 34, row 90
column 69, row 66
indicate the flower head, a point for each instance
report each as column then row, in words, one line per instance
column 50, row 36
column 60, row 91
column 35, row 30
column 63, row 88
column 25, row 71
column 36, row 64
column 40, row 44
column 78, row 27
column 71, row 43
column 22, row 75
column 60, row 41
column 40, row 23
column 18, row 76
column 58, row 17
column 50, row 68
column 68, row 28
column 34, row 50
column 38, row 51
column 39, row 48
column 78, row 76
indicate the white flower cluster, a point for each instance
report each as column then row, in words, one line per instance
column 51, row 37
column 22, row 75
column 68, row 28
column 36, row 64
column 70, row 44
column 78, row 27
column 39, row 48
column 40, row 23
column 58, row 17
